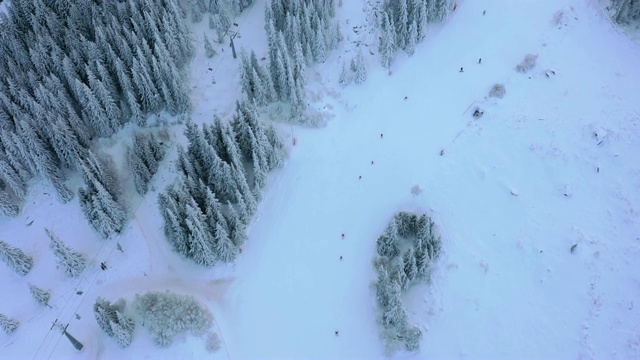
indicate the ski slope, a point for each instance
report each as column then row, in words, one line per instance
column 511, row 192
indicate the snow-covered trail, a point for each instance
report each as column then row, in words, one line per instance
column 508, row 286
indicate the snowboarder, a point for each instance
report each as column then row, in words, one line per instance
column 480, row 61
column 371, row 162
column 360, row 177
column 406, row 97
column 342, row 235
column 103, row 266
column 337, row 332
column 461, row 69
column 340, row 257
column 381, row 136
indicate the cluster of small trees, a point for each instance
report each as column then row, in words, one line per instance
column 625, row 11
column 207, row 208
column 357, row 71
column 80, row 70
column 299, row 32
column 113, row 321
column 143, row 159
column 405, row 251
column 166, row 314
column 403, row 24
column 220, row 13
column 72, row 262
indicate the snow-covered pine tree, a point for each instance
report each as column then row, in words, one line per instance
column 7, row 205
column 412, row 38
column 139, row 171
column 422, row 259
column 394, row 315
column 72, row 261
column 208, row 49
column 107, row 215
column 199, row 239
column 398, row 273
column 174, row 229
column 625, row 11
column 387, row 45
column 8, row 324
column 41, row 296
column 360, row 69
column 44, row 160
column 319, row 46
column 225, row 249
column 383, row 287
column 402, row 31
column 237, row 232
column 105, row 314
column 15, row 259
column 409, row 265
column 420, row 16
column 343, row 79
column 123, row 329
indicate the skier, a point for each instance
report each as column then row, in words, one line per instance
column 480, row 61
column 381, row 136
column 337, row 332
column 342, row 235
column 461, row 69
column 340, row 257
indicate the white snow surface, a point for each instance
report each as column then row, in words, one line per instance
column 552, row 164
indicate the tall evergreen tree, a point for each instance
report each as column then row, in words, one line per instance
column 105, row 314
column 41, row 296
column 15, row 258
column 123, row 329
column 209, row 51
column 409, row 265
column 72, row 261
column 7, row 205
column 360, row 69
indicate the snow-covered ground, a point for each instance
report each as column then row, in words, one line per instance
column 552, row 164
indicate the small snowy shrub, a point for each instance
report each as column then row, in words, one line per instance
column 41, row 296
column 213, row 342
column 166, row 314
column 528, row 63
column 7, row 324
column 497, row 90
